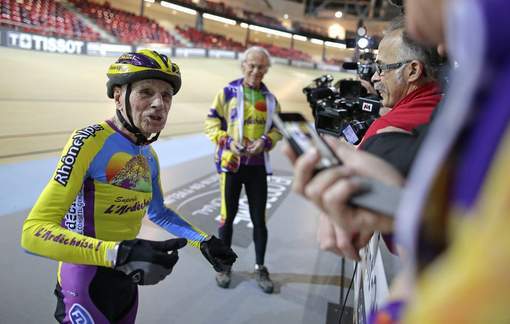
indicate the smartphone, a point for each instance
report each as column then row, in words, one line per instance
column 301, row 136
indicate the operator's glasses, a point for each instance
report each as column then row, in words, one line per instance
column 380, row 68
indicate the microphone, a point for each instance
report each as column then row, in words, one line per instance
column 350, row 65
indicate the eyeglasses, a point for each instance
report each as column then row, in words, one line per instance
column 261, row 67
column 380, row 68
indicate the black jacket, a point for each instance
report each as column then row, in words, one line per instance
column 398, row 149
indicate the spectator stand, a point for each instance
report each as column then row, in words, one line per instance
column 104, row 35
column 245, row 19
column 48, row 18
column 125, row 26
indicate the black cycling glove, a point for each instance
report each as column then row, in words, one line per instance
column 218, row 254
column 148, row 262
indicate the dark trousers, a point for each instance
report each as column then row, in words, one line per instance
column 254, row 179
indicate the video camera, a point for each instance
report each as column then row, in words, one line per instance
column 342, row 109
column 364, row 67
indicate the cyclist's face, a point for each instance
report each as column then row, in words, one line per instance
column 150, row 103
column 254, row 68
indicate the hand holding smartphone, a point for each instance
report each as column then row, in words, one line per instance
column 301, row 136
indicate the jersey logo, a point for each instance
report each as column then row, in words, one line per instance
column 79, row 315
column 130, row 172
column 69, row 159
column 260, row 105
column 74, row 220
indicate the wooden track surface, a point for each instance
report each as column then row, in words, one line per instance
column 43, row 97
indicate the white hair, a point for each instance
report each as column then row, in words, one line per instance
column 411, row 50
column 400, row 75
column 258, row 49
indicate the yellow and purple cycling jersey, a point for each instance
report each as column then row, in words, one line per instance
column 103, row 186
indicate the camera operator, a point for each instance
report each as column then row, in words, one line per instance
column 366, row 70
column 406, row 78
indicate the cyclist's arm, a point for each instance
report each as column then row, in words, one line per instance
column 215, row 126
column 167, row 218
column 42, row 233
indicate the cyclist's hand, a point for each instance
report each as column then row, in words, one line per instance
column 237, row 148
column 256, row 147
column 218, row 254
column 148, row 262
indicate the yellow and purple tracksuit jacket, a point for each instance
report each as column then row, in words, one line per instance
column 234, row 117
column 103, row 186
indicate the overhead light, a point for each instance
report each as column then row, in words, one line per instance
column 299, row 38
column 178, row 8
column 285, row 16
column 339, row 14
column 336, row 31
column 333, row 44
column 316, row 41
column 361, row 31
column 219, row 19
column 270, row 31
column 363, row 42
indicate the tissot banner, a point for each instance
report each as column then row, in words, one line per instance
column 44, row 43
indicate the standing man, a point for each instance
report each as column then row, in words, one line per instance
column 406, row 78
column 240, row 125
column 107, row 179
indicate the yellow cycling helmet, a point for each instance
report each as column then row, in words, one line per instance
column 141, row 65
